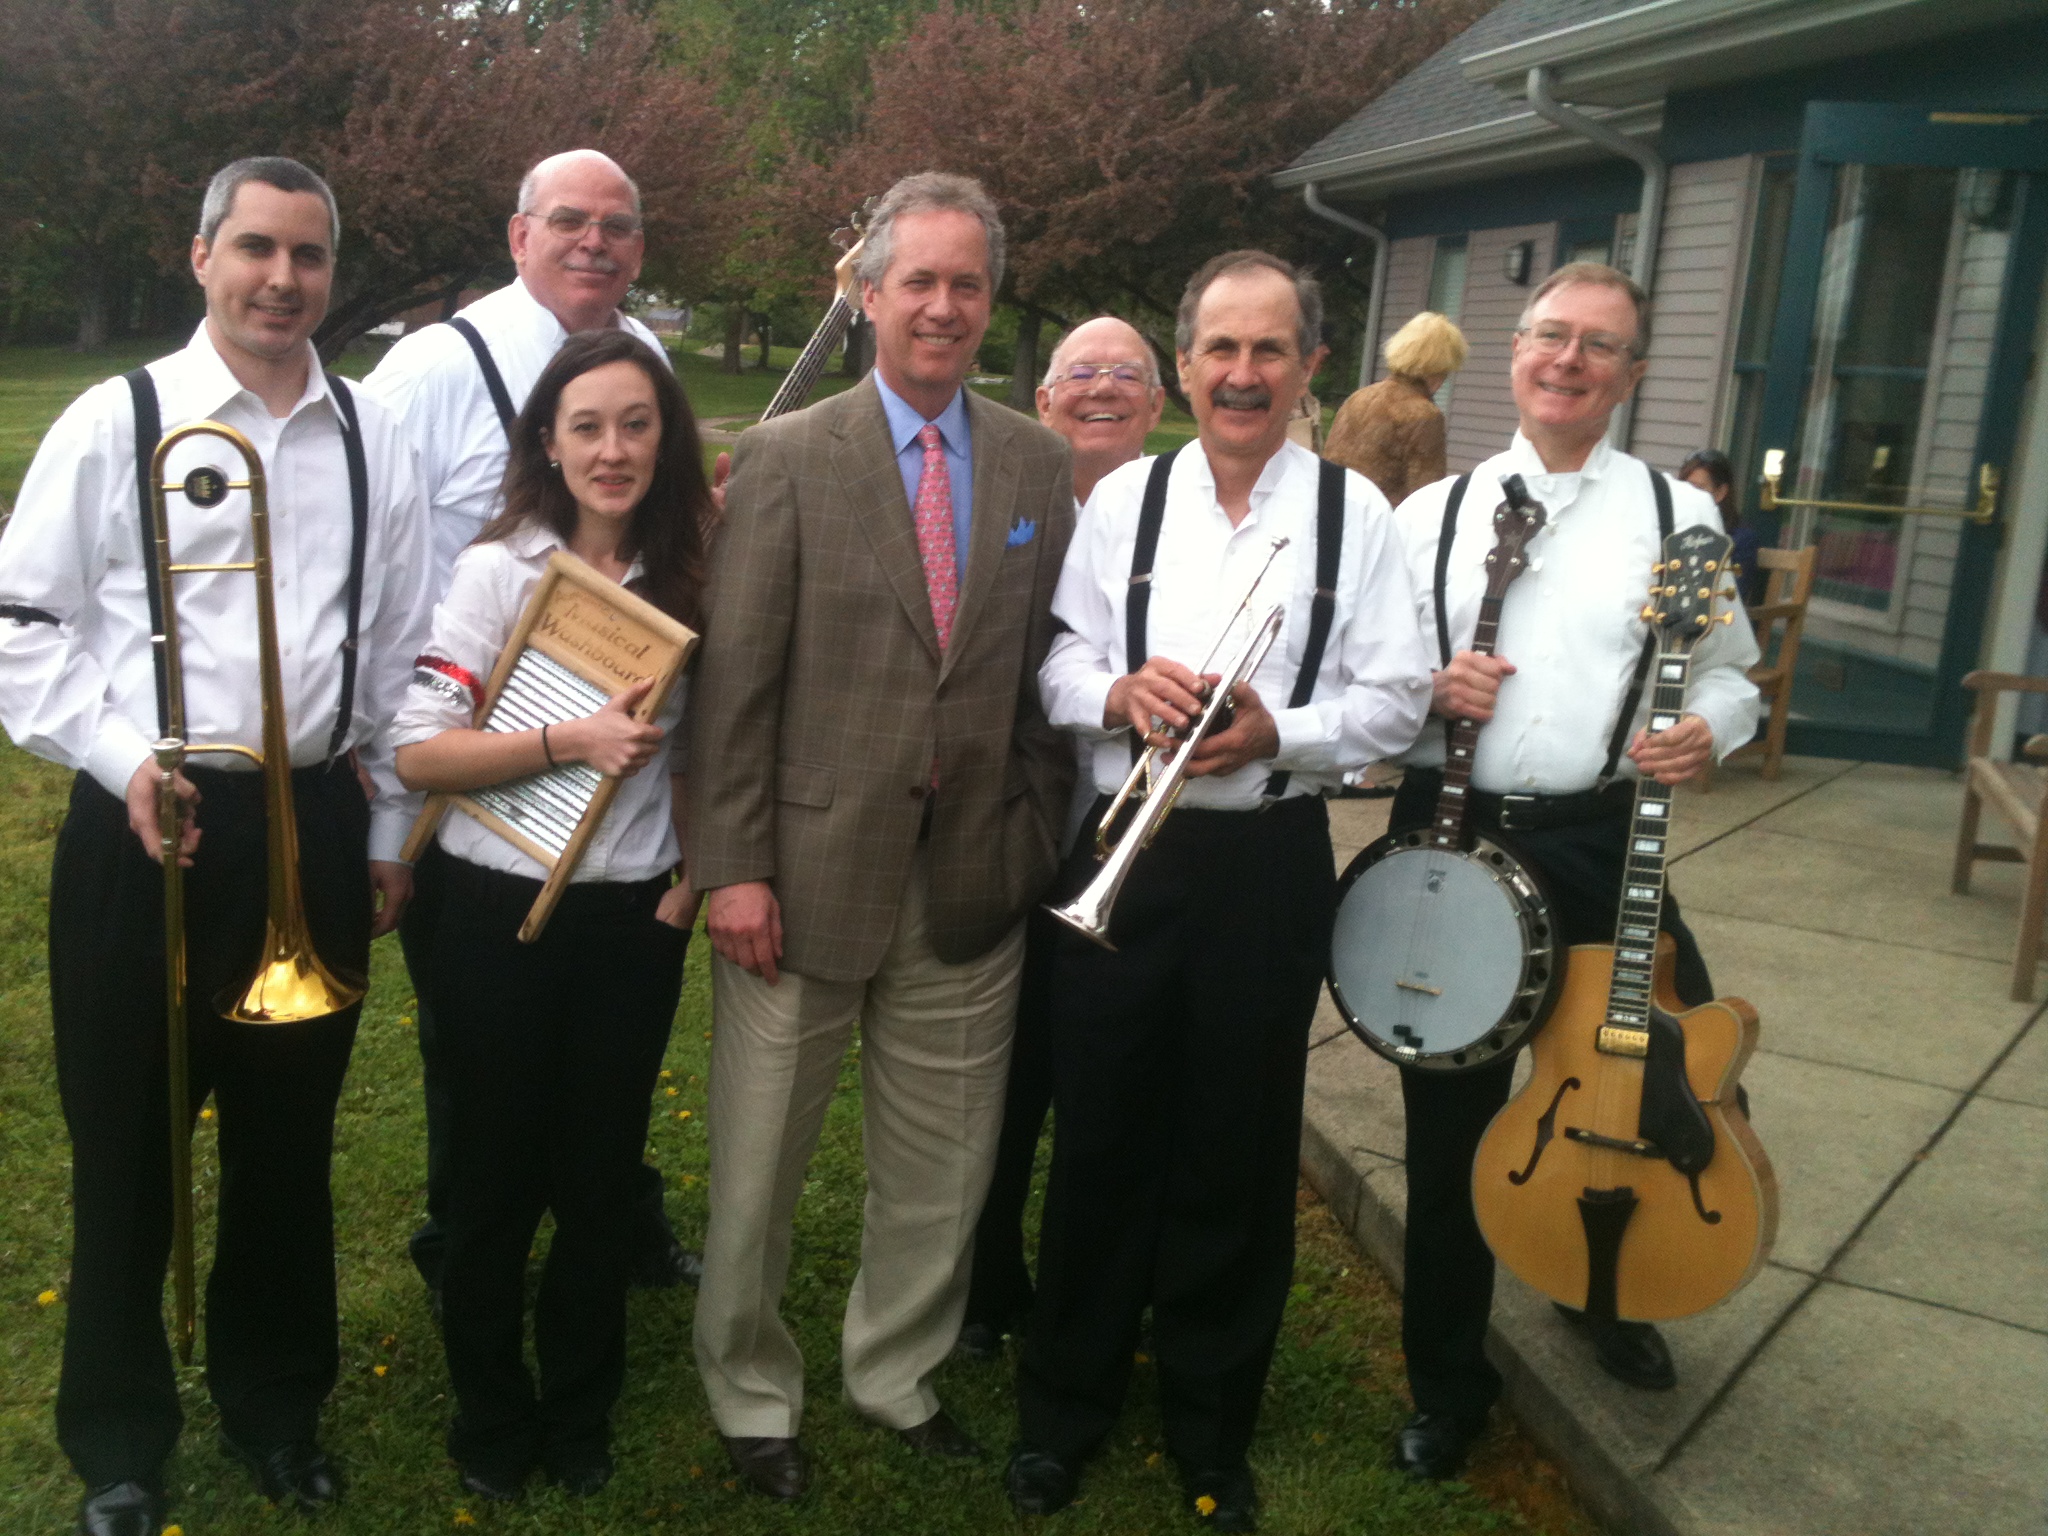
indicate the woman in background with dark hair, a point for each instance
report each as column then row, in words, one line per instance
column 553, row 1046
column 1709, row 470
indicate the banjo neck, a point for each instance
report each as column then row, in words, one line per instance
column 1516, row 521
column 809, row 367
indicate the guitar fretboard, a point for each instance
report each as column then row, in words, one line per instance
column 1642, row 890
column 810, row 364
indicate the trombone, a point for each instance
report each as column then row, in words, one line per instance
column 1162, row 770
column 291, row 985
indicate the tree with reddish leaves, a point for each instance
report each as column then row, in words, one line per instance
column 422, row 117
column 1125, row 141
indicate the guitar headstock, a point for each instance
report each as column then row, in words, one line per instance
column 1694, row 575
column 1516, row 521
column 850, row 239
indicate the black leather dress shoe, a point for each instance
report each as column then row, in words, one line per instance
column 1230, row 1497
column 979, row 1341
column 1038, row 1484
column 940, row 1438
column 1632, row 1353
column 121, row 1509
column 582, row 1473
column 769, row 1464
column 492, row 1485
column 297, row 1473
column 1432, row 1446
column 665, row 1266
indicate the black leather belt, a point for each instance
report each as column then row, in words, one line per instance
column 1534, row 813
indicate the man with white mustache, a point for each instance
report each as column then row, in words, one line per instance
column 577, row 243
column 1560, row 698
column 1179, row 1057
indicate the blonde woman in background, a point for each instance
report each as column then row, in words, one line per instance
column 1391, row 432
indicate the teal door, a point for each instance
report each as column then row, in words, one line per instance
column 1898, row 357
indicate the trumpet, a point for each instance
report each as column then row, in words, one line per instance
column 291, row 985
column 1160, row 773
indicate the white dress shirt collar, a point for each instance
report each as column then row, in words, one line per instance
column 202, row 378
column 536, row 541
column 1287, row 459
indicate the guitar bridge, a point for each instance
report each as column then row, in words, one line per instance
column 1615, row 1040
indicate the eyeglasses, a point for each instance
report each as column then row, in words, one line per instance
column 1126, row 374
column 1596, row 346
column 570, row 223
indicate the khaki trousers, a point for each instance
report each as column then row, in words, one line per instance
column 935, row 1053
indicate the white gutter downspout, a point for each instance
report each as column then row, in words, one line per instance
column 1649, row 217
column 1377, row 292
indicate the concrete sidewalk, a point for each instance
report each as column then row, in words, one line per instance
column 1887, row 1372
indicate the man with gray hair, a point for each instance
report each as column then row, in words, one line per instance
column 1178, row 1056
column 80, row 685
column 577, row 244
column 876, row 799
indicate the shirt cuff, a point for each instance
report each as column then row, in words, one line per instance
column 1091, row 698
column 390, row 825
column 116, row 753
column 1301, row 734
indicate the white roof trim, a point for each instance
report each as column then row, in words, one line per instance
column 1650, row 49
column 1520, row 142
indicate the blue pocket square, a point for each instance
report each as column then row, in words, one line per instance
column 1022, row 533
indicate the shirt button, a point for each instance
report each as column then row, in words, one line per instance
column 917, row 791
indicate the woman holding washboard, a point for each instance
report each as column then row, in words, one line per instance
column 553, row 1046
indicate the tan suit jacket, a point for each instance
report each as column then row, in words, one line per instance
column 821, row 700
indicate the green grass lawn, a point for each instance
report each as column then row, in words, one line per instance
column 1335, row 1398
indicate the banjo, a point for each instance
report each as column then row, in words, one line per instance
column 1444, row 954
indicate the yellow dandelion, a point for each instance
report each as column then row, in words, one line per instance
column 1152, row 1460
column 381, row 1370
column 390, row 1339
column 696, row 1471
column 1205, row 1506
column 47, row 1299
column 174, row 1530
column 666, row 1074
column 464, row 1517
column 1142, row 1358
column 707, row 1034
column 682, row 1114
column 206, row 1113
column 671, row 1092
column 405, row 1021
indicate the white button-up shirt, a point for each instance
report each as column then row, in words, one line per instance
column 1372, row 688
column 82, row 691
column 1571, row 623
column 431, row 379
column 636, row 840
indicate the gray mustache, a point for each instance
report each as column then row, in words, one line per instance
column 602, row 264
column 1241, row 399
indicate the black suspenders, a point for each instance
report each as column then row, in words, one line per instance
column 148, row 429
column 494, row 381
column 1660, row 488
column 1322, row 610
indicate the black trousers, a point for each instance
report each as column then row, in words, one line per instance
column 1447, row 1293
column 1178, row 1064
column 551, row 1051
column 428, row 1247
column 1000, row 1294
column 270, row 1322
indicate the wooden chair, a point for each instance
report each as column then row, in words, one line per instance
column 1786, row 593
column 2014, row 791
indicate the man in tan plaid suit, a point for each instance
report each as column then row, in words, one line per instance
column 876, row 799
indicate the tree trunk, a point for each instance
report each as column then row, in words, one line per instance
column 1024, row 369
column 850, row 362
column 735, row 337
column 764, row 343
column 92, row 308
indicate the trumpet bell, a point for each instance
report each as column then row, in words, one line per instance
column 1088, row 913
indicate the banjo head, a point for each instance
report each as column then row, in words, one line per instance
column 1442, row 960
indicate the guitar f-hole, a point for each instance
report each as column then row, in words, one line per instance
column 1546, row 1128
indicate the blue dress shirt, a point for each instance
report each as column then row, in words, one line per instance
column 905, row 423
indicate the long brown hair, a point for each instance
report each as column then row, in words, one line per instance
column 666, row 530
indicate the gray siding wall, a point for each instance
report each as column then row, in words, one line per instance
column 1699, row 270
column 1482, row 416
column 1407, row 289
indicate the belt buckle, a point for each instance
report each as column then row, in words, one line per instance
column 1509, row 804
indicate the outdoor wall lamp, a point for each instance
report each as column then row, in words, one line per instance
column 1520, row 257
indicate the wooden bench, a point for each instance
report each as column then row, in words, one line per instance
column 2014, row 792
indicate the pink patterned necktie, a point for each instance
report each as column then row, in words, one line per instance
column 935, row 533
